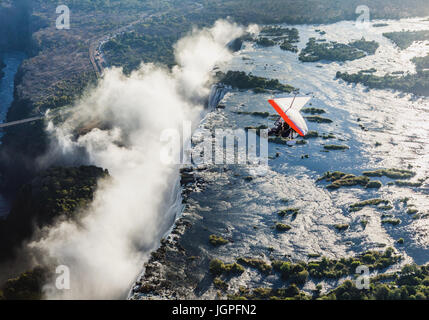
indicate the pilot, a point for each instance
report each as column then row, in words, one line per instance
column 282, row 129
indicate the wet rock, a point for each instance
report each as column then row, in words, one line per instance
column 235, row 45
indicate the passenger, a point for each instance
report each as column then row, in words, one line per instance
column 282, row 129
column 286, row 130
column 276, row 130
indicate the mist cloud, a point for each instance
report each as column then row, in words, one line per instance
column 130, row 211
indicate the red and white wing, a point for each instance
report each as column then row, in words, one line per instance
column 296, row 103
column 297, row 119
column 289, row 110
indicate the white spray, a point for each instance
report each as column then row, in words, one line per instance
column 105, row 251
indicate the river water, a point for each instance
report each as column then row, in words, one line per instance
column 396, row 135
column 12, row 61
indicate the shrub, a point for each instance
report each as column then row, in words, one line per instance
column 218, row 283
column 341, row 227
column 282, row 227
column 217, row 267
column 259, row 264
column 374, row 185
column 289, row 211
column 217, row 240
column 299, row 278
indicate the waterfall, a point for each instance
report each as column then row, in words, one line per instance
column 174, row 202
column 218, row 91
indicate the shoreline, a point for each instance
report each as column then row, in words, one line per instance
column 12, row 61
column 154, row 270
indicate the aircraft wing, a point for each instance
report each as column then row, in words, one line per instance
column 296, row 103
column 289, row 110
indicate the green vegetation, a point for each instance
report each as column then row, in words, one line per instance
column 369, row 47
column 311, row 134
column 335, row 269
column 342, row 227
column 217, row 240
column 334, row 51
column 313, row 110
column 412, row 211
column 150, row 46
column 371, row 202
column 116, row 6
column 374, row 185
column 318, row 119
column 217, row 268
column 412, row 83
column 290, row 211
column 265, row 42
column 417, row 83
column 285, row 37
column 341, row 179
column 129, row 50
column 254, row 113
column 391, row 221
column 297, row 274
column 278, row 140
column 259, row 264
column 290, row 34
column 327, row 136
column 218, row 283
column 411, row 283
column 281, row 227
column 57, row 192
column 421, row 63
column 390, row 173
column 380, row 25
column 287, row 46
column 30, row 141
column 300, row 142
column 335, row 147
column 408, row 184
column 404, row 39
column 243, row 81
column 27, row 286
column 290, row 293
column 65, row 92
column 306, row 11
column 151, row 40
column 260, row 127
column 372, row 70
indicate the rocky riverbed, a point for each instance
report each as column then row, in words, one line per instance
column 368, row 130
